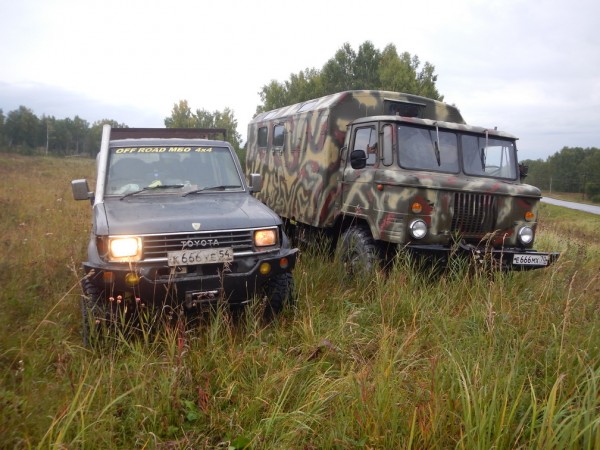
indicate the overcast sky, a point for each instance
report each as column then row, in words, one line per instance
column 531, row 68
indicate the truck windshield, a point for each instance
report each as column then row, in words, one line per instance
column 132, row 169
column 427, row 149
column 489, row 157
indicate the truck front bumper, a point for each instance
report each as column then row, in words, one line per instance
column 506, row 258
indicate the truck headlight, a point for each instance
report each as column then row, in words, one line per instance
column 265, row 238
column 525, row 235
column 125, row 249
column 418, row 229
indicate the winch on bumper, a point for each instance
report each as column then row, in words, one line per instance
column 157, row 284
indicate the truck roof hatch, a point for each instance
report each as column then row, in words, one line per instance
column 403, row 108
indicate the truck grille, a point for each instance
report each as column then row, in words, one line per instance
column 474, row 213
column 157, row 246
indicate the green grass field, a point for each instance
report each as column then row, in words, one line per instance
column 407, row 360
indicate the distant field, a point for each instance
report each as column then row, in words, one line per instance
column 408, row 360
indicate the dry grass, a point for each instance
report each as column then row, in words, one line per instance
column 408, row 360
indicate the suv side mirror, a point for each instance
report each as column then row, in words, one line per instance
column 255, row 182
column 81, row 191
column 358, row 159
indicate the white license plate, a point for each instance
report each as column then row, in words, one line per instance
column 202, row 256
column 530, row 260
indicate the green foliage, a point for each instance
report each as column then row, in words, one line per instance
column 21, row 127
column 407, row 359
column 23, row 132
column 572, row 169
column 368, row 68
column 183, row 117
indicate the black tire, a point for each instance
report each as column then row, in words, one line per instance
column 279, row 292
column 359, row 252
column 94, row 312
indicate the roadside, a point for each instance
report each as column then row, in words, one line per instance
column 593, row 209
column 575, row 197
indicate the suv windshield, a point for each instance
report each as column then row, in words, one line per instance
column 133, row 169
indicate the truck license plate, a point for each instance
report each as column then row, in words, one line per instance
column 523, row 259
column 202, row 256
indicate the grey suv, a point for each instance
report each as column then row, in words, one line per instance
column 175, row 224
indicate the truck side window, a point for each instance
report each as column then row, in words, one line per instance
column 366, row 139
column 262, row 138
column 278, row 134
column 388, row 150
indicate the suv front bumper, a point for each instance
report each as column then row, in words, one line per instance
column 155, row 283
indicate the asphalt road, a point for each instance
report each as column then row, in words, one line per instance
column 580, row 206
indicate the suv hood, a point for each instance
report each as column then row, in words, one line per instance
column 158, row 214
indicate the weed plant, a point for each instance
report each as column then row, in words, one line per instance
column 411, row 358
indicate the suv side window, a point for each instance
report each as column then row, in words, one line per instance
column 366, row 139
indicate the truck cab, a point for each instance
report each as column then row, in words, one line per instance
column 434, row 186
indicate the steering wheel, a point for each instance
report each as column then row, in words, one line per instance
column 492, row 169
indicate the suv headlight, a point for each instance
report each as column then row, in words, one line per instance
column 525, row 235
column 124, row 249
column 265, row 238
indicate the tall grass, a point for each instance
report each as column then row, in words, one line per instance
column 411, row 359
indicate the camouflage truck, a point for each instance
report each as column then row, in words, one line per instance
column 174, row 225
column 381, row 171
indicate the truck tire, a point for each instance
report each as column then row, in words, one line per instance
column 94, row 312
column 279, row 292
column 359, row 252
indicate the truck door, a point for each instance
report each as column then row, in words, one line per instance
column 357, row 184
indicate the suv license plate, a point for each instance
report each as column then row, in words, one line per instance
column 530, row 260
column 203, row 256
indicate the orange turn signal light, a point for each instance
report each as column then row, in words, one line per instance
column 529, row 216
column 416, row 207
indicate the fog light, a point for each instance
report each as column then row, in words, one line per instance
column 525, row 235
column 132, row 279
column 265, row 268
column 418, row 229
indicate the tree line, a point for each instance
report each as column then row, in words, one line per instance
column 21, row 131
column 572, row 169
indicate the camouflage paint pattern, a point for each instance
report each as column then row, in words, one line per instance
column 308, row 180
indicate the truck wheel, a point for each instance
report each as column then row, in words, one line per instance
column 358, row 251
column 279, row 292
column 94, row 312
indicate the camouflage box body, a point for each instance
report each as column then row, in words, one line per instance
column 461, row 181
